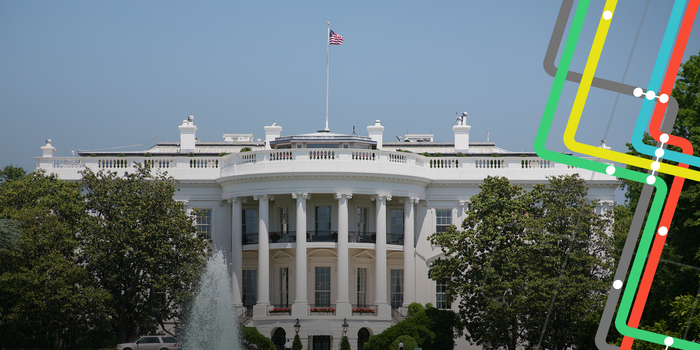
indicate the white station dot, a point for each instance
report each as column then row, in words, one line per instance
column 650, row 95
column 617, row 284
column 607, row 15
column 610, row 170
column 659, row 152
column 663, row 98
column 638, row 92
column 655, row 166
column 651, row 179
column 663, row 230
column 668, row 341
column 663, row 138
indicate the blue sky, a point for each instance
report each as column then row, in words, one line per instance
column 102, row 74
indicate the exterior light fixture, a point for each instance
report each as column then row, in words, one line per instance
column 345, row 326
column 297, row 326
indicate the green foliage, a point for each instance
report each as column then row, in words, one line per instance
column 10, row 234
column 245, row 149
column 147, row 155
column 191, row 154
column 403, row 150
column 253, row 340
column 495, row 155
column 505, row 264
column 414, row 308
column 11, row 173
column 121, row 155
column 345, row 344
column 437, row 154
column 222, row 154
column 408, row 343
column 42, row 279
column 425, row 154
column 460, row 154
column 141, row 247
column 423, row 336
column 296, row 345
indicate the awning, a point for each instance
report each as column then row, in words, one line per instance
column 319, row 327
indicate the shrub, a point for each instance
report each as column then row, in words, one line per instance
column 223, row 154
column 460, row 154
column 121, row 155
column 426, row 154
column 408, row 343
column 245, row 149
column 345, row 344
column 147, row 155
column 252, row 339
column 296, row 345
column 403, row 150
column 414, row 308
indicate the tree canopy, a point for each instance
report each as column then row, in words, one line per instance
column 528, row 266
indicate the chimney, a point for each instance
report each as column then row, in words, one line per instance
column 461, row 134
column 271, row 133
column 187, row 135
column 376, row 133
column 48, row 150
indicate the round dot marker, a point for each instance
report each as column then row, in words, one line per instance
column 638, row 92
column 655, row 166
column 607, row 15
column 610, row 170
column 663, row 138
column 617, row 284
column 650, row 95
column 663, row 98
column 663, row 231
column 668, row 341
column 659, row 152
column 651, row 179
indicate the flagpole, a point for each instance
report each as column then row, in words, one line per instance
column 328, row 60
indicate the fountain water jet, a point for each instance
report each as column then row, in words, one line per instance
column 212, row 323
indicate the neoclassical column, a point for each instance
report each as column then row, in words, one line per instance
column 260, row 308
column 301, row 303
column 236, row 250
column 380, row 295
column 409, row 257
column 343, row 307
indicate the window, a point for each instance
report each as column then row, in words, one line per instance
column 362, row 221
column 396, row 288
column 443, row 220
column 284, row 220
column 203, row 222
column 441, row 295
column 396, row 226
column 250, row 226
column 323, row 221
column 323, row 286
column 284, row 287
column 250, row 287
column 361, row 286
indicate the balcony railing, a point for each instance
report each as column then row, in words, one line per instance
column 394, row 238
column 283, row 237
column 250, row 238
column 322, row 236
column 336, row 160
column 279, row 310
column 361, row 237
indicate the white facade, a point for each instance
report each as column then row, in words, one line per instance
column 364, row 211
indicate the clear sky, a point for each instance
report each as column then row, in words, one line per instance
column 103, row 74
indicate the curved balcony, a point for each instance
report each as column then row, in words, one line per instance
column 323, row 236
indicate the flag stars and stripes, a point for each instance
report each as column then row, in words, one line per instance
column 335, row 39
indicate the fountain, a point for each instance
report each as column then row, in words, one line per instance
column 212, row 323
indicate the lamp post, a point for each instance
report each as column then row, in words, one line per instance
column 297, row 326
column 345, row 326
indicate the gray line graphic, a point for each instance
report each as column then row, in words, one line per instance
column 645, row 197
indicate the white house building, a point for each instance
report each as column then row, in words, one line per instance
column 324, row 230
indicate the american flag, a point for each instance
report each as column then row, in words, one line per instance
column 335, row 39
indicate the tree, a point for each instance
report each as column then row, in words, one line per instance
column 46, row 297
column 345, row 343
column 11, row 173
column 141, row 247
column 526, row 259
column 296, row 344
column 252, row 340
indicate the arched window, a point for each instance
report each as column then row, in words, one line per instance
column 279, row 338
column 362, row 338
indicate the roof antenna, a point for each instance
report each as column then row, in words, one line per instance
column 353, row 130
column 487, row 136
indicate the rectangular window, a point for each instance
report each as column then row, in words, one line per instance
column 441, row 295
column 203, row 222
column 323, row 286
column 284, row 220
column 396, row 288
column 395, row 235
column 362, row 220
column 250, row 287
column 284, row 286
column 443, row 220
column 250, row 226
column 361, row 287
column 323, row 224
